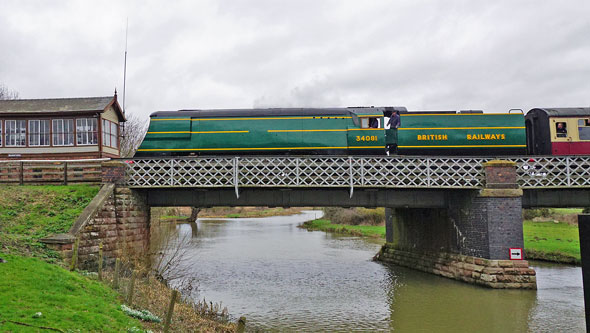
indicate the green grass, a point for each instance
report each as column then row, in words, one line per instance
column 552, row 241
column 357, row 230
column 67, row 300
column 564, row 211
column 28, row 213
column 173, row 217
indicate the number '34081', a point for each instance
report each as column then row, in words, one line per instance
column 366, row 138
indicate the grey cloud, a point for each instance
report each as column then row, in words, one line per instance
column 216, row 54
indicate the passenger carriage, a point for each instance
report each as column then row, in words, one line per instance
column 558, row 131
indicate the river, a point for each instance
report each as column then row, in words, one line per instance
column 283, row 278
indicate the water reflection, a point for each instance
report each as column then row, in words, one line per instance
column 285, row 278
column 435, row 304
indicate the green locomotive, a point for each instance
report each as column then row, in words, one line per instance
column 331, row 131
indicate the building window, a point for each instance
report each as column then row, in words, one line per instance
column 0, row 133
column 38, row 132
column 86, row 131
column 63, row 132
column 114, row 132
column 16, row 133
column 109, row 133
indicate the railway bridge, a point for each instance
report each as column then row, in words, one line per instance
column 459, row 217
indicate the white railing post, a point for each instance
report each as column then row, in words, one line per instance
column 350, row 179
column 362, row 171
column 236, row 160
column 568, row 171
column 428, row 180
column 172, row 172
column 297, row 180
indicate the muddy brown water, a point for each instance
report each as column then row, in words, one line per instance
column 283, row 278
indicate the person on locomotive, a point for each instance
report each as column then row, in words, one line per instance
column 561, row 130
column 394, row 120
column 373, row 123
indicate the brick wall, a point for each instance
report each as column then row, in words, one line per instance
column 487, row 226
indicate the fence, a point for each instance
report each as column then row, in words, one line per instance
column 51, row 171
column 400, row 172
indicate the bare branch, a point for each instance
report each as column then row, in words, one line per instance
column 132, row 134
column 6, row 93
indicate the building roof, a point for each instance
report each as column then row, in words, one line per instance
column 58, row 105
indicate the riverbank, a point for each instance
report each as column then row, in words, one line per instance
column 374, row 231
column 549, row 241
column 181, row 214
column 33, row 278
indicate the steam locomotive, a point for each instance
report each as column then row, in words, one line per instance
column 365, row 131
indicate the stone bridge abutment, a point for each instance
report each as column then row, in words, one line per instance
column 118, row 218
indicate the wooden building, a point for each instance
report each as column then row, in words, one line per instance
column 60, row 128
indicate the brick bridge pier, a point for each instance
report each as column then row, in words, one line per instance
column 460, row 234
column 470, row 240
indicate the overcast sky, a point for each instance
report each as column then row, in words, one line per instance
column 425, row 55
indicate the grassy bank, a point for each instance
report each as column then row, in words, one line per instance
column 29, row 213
column 66, row 300
column 558, row 242
column 355, row 230
column 33, row 280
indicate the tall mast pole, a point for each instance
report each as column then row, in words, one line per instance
column 125, row 67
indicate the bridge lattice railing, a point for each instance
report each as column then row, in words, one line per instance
column 396, row 172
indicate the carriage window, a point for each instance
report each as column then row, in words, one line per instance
column 584, row 129
column 561, row 129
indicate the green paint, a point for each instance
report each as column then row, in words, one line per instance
column 281, row 134
column 67, row 300
column 461, row 130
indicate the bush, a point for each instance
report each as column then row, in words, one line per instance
column 355, row 216
column 586, row 210
column 529, row 214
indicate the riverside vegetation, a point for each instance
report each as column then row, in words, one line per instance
column 184, row 213
column 39, row 294
column 549, row 234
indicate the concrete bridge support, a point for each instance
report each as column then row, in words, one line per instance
column 470, row 240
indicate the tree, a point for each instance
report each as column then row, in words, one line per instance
column 133, row 131
column 6, row 93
